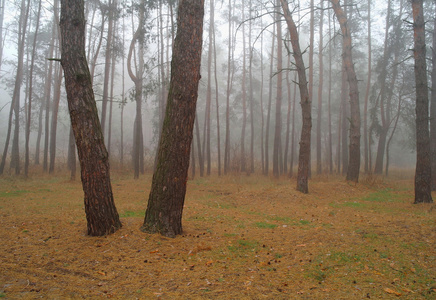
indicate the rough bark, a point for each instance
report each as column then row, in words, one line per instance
column 423, row 166
column 101, row 214
column 354, row 147
column 167, row 195
column 433, row 111
column 306, row 104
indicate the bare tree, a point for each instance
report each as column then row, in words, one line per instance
column 354, row 148
column 306, row 104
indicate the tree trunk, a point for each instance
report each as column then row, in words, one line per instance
column 54, row 120
column 15, row 103
column 216, row 95
column 354, row 148
column 433, row 111
column 320, row 85
column 423, row 166
column 306, row 104
column 101, row 214
column 278, row 118
column 72, row 155
column 107, row 63
column 167, row 195
column 268, row 114
column 244, row 91
column 368, row 86
column 29, row 108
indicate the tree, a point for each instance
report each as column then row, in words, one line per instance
column 306, row 104
column 278, row 124
column 354, row 147
column 433, row 111
column 167, row 195
column 423, row 166
column 101, row 213
column 15, row 104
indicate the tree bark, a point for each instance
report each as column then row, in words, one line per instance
column 167, row 195
column 101, row 214
column 423, row 166
column 354, row 148
column 433, row 111
column 368, row 86
column 306, row 104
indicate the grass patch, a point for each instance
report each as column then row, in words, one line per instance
column 132, row 214
column 265, row 225
column 11, row 194
column 243, row 246
column 384, row 195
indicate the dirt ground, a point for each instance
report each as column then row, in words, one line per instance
column 245, row 237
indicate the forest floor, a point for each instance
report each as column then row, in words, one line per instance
column 245, row 237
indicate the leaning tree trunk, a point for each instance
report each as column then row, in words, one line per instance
column 101, row 214
column 306, row 104
column 167, row 195
column 423, row 166
column 354, row 148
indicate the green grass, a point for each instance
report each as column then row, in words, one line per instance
column 11, row 194
column 134, row 214
column 265, row 225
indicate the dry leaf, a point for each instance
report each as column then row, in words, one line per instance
column 391, row 291
column 101, row 273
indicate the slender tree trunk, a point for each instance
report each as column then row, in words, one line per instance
column 433, row 111
column 278, row 117
column 423, row 166
column 207, row 121
column 306, row 104
column 29, row 108
column 244, row 91
column 167, row 195
column 15, row 103
column 320, row 86
column 368, row 86
column 200, row 153
column 101, row 214
column 216, row 97
column 268, row 114
column 138, row 81
column 107, row 63
column 330, row 138
column 230, row 72
column 250, row 97
column 54, row 119
column 354, row 148
column 288, row 119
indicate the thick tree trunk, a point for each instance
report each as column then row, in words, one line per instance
column 423, row 166
column 167, row 195
column 101, row 214
column 306, row 104
column 354, row 148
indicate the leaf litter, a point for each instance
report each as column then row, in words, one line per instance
column 244, row 237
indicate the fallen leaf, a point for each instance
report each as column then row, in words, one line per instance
column 101, row 273
column 391, row 291
column 154, row 251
